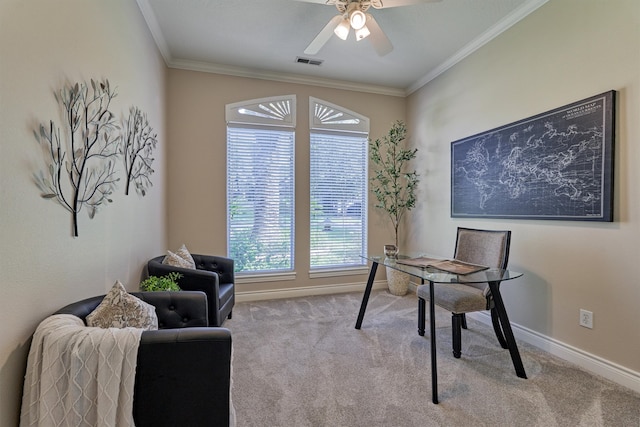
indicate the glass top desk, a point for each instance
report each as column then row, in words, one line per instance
column 492, row 276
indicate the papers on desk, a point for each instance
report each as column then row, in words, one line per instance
column 449, row 265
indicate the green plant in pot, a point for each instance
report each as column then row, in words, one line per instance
column 394, row 187
column 162, row 283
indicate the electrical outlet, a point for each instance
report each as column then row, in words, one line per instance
column 586, row 319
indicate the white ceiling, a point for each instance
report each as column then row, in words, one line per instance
column 262, row 38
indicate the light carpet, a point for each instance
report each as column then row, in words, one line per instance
column 301, row 362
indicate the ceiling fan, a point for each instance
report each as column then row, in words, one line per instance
column 353, row 14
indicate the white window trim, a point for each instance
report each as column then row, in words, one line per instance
column 329, row 118
column 271, row 113
column 241, row 278
column 324, row 119
column 262, row 111
column 318, row 273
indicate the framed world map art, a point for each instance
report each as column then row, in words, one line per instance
column 556, row 165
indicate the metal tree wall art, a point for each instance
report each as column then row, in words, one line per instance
column 138, row 142
column 82, row 152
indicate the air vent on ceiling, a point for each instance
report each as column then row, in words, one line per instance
column 301, row 60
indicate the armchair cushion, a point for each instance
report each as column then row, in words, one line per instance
column 119, row 309
column 181, row 258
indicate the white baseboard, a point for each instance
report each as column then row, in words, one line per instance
column 592, row 363
column 306, row 291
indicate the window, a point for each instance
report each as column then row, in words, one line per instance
column 338, row 161
column 260, row 184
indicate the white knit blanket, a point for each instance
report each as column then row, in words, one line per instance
column 80, row 376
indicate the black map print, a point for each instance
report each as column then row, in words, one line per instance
column 556, row 165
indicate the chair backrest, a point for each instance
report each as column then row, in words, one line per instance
column 484, row 247
column 175, row 309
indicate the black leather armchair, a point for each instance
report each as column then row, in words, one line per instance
column 213, row 275
column 183, row 371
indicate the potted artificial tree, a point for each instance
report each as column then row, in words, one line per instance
column 394, row 189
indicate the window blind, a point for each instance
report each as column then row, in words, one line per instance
column 338, row 178
column 260, row 198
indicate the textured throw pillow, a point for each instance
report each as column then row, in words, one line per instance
column 119, row 309
column 181, row 258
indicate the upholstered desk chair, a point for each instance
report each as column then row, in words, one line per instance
column 484, row 247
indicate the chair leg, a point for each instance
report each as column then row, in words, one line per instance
column 456, row 327
column 464, row 320
column 230, row 313
column 497, row 328
column 421, row 315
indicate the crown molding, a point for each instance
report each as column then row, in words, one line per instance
column 506, row 23
column 152, row 22
column 493, row 32
column 284, row 77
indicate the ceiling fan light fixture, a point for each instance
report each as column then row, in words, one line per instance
column 357, row 19
column 342, row 30
column 362, row 33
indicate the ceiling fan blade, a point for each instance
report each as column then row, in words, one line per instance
column 323, row 36
column 385, row 4
column 379, row 39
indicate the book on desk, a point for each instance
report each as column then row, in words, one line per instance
column 453, row 266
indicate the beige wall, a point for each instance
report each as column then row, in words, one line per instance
column 565, row 51
column 197, row 162
column 42, row 268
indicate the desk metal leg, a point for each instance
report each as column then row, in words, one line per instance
column 432, row 322
column 367, row 292
column 506, row 328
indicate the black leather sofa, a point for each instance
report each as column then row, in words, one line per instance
column 213, row 275
column 183, row 371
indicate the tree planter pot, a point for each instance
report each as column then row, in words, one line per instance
column 397, row 281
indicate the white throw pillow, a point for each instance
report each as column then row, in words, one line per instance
column 181, row 258
column 119, row 309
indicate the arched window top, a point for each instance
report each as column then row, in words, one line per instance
column 273, row 111
column 324, row 115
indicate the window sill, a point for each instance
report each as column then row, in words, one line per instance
column 335, row 272
column 264, row 277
